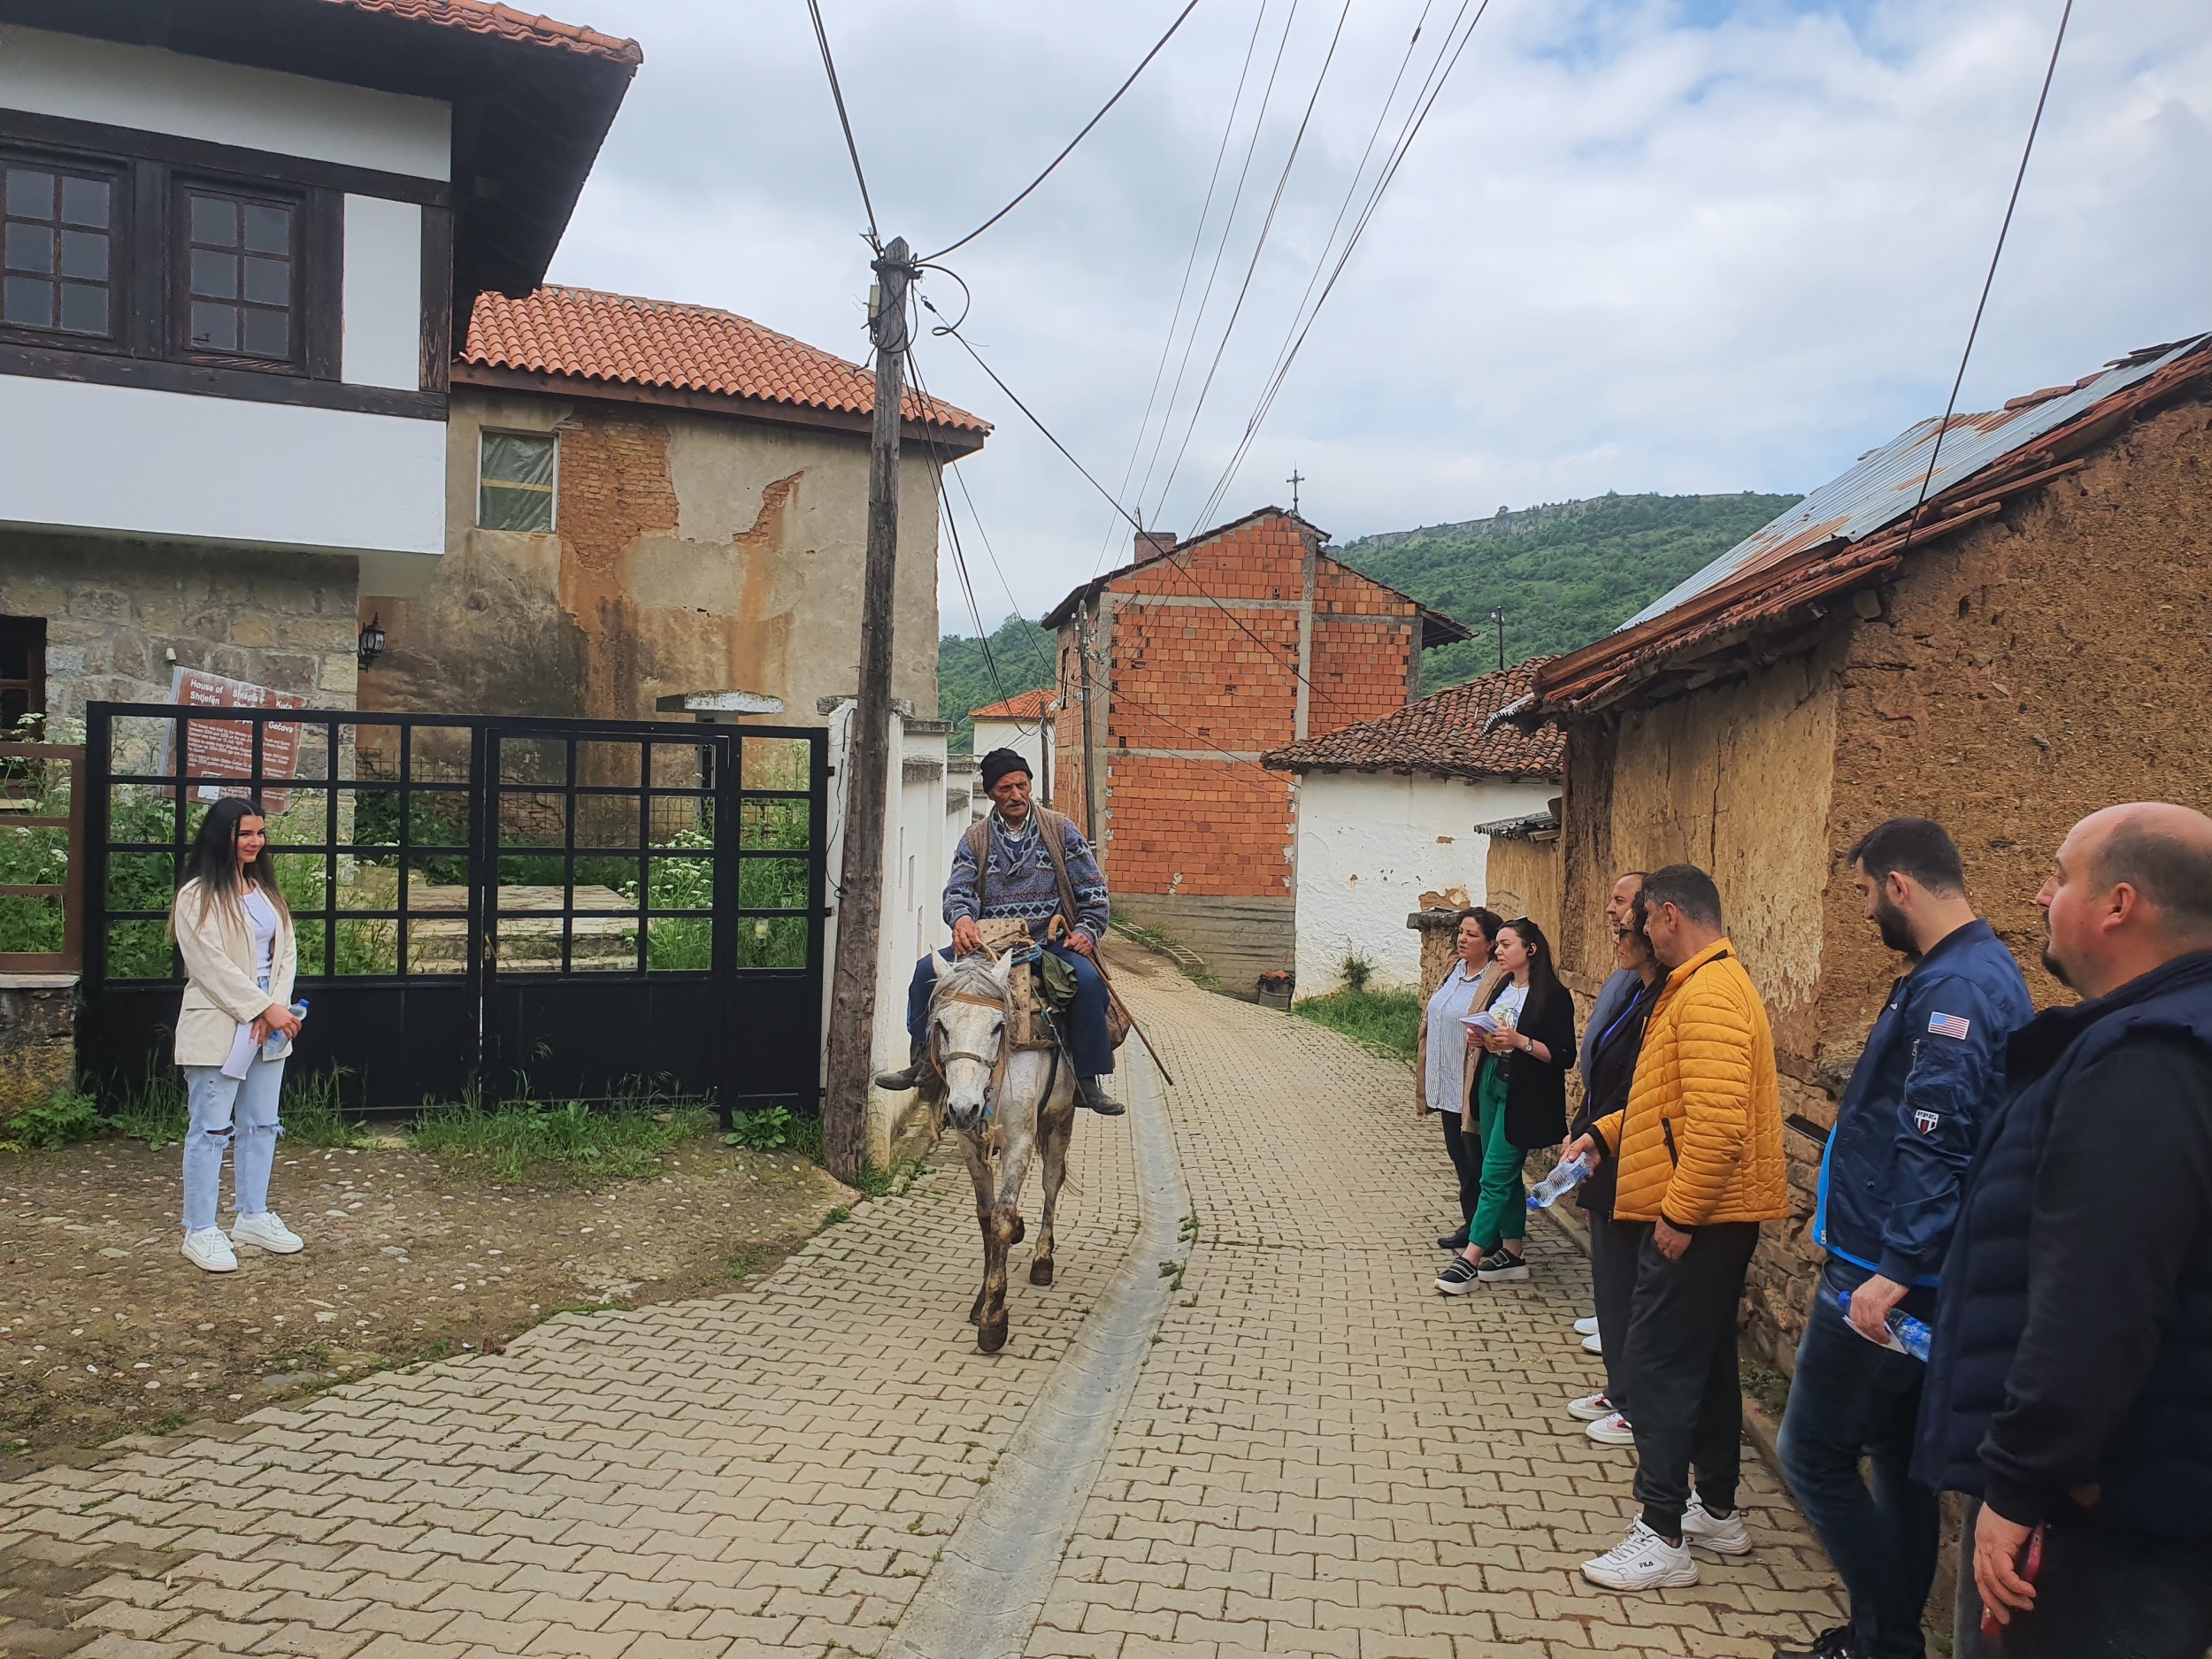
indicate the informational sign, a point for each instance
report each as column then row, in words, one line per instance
column 224, row 749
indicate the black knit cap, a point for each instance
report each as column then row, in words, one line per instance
column 999, row 762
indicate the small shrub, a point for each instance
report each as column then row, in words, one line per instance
column 1357, row 970
column 770, row 1129
column 62, row 1121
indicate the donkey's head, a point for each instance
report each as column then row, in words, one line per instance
column 967, row 1021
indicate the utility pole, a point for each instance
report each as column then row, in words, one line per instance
column 1498, row 616
column 860, row 897
column 1090, row 763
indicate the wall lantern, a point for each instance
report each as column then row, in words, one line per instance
column 372, row 642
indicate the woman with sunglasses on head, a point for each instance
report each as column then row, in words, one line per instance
column 1441, row 1072
column 231, row 925
column 1520, row 1102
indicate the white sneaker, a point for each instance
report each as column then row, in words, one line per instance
column 1591, row 1344
column 1586, row 1328
column 1722, row 1537
column 1613, row 1430
column 207, row 1247
column 266, row 1232
column 1590, row 1408
column 1642, row 1561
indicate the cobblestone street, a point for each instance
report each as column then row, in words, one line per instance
column 1318, row 1455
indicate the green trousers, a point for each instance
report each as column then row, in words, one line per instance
column 1502, row 1212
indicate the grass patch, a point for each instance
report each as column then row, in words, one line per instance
column 1383, row 1022
column 1193, row 968
column 1770, row 1388
column 520, row 1139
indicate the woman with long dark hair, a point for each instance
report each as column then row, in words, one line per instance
column 1520, row 1102
column 231, row 925
column 1440, row 1055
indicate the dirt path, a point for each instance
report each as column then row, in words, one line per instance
column 105, row 1329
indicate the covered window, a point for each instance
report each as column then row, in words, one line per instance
column 240, row 260
column 22, row 669
column 59, row 248
column 515, row 478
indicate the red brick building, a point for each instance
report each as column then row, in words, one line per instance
column 1202, row 656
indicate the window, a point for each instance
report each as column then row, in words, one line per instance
column 240, row 262
column 514, row 476
column 22, row 669
column 59, row 248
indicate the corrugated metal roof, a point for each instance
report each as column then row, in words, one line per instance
column 1885, row 484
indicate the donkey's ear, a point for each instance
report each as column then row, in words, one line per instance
column 1002, row 970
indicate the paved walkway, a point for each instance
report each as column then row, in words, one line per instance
column 1319, row 1455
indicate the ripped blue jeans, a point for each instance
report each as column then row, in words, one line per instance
column 239, row 1115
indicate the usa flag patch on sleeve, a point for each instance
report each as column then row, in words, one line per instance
column 1950, row 1026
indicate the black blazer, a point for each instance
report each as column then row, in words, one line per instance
column 1536, row 1090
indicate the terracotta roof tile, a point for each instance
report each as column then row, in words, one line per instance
column 617, row 338
column 503, row 23
column 1442, row 733
column 1029, row 705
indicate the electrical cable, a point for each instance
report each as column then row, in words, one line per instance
column 837, row 92
column 1943, row 428
column 1072, row 143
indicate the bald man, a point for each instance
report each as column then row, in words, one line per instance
column 2070, row 1386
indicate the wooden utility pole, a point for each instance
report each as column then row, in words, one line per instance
column 867, row 754
column 1090, row 761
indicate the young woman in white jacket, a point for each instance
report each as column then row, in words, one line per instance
column 235, row 935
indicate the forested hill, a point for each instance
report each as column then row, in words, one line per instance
column 1022, row 650
column 1565, row 573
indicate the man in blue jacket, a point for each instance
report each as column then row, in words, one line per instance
column 1889, row 1194
column 2070, row 1385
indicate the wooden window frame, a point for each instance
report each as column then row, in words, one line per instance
column 122, row 246
column 301, row 324
column 552, row 490
column 33, row 682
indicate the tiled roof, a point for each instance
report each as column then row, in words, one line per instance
column 1029, row 705
column 1443, row 734
column 502, row 23
column 1855, row 530
column 693, row 348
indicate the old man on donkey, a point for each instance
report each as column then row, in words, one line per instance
column 1025, row 862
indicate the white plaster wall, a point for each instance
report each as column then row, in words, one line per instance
column 382, row 310
column 143, row 87
column 1030, row 741
column 1370, row 845
column 129, row 461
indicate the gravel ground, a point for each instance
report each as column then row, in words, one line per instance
column 106, row 1329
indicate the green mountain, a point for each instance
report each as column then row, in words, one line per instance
column 1564, row 575
column 1024, row 654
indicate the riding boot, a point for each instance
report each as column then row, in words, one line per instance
column 917, row 1067
column 1091, row 1092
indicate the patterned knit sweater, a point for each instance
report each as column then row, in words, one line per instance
column 1021, row 884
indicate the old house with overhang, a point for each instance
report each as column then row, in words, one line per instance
column 1388, row 809
column 238, row 234
column 2028, row 646
column 1176, row 673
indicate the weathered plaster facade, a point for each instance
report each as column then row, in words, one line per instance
column 691, row 552
column 2012, row 679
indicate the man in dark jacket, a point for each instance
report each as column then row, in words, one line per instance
column 1889, row 1191
column 2068, row 1389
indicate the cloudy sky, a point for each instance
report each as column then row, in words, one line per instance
column 1678, row 245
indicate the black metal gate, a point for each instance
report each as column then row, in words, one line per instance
column 557, row 910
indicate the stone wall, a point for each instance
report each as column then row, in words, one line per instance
column 38, row 1054
column 115, row 610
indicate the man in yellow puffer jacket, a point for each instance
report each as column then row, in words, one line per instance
column 1700, row 1151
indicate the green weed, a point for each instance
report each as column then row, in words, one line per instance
column 520, row 1138
column 1385, row 1022
column 770, row 1129
column 62, row 1121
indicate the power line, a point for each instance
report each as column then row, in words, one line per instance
column 1943, row 427
column 829, row 66
column 1072, row 143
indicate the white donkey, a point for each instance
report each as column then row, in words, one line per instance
column 1003, row 1101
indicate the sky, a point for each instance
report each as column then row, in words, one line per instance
column 1671, row 245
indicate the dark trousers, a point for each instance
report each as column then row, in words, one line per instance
column 1688, row 1405
column 2103, row 1593
column 1851, row 1398
column 1465, row 1149
column 1089, row 1047
column 1613, row 1246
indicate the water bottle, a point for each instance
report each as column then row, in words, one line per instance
column 1564, row 1174
column 1907, row 1335
column 276, row 1044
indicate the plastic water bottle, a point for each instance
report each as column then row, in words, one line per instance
column 276, row 1044
column 1567, row 1173
column 1907, row 1335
